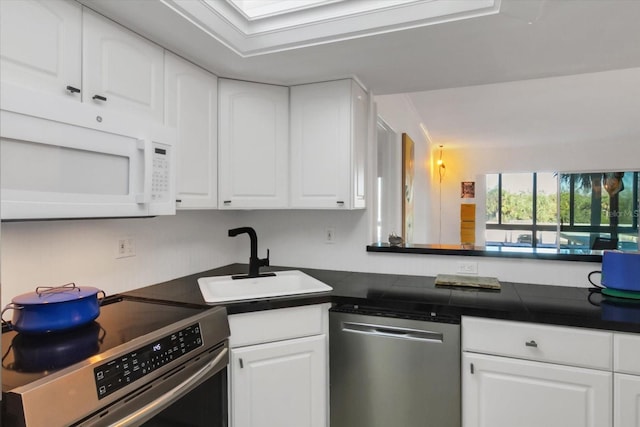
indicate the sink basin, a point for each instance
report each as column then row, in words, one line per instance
column 225, row 289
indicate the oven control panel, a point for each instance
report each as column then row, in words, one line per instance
column 125, row 369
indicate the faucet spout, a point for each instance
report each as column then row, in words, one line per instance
column 254, row 262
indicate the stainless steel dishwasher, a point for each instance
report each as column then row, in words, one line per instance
column 392, row 370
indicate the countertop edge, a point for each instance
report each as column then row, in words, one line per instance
column 382, row 291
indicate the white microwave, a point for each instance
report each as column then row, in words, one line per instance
column 65, row 159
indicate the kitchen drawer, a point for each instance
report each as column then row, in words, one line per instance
column 556, row 344
column 626, row 348
column 276, row 325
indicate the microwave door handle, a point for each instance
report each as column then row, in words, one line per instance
column 149, row 410
column 146, row 147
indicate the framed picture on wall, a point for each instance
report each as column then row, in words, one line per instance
column 468, row 190
column 408, row 171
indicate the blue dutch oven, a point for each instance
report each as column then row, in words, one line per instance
column 53, row 309
column 620, row 271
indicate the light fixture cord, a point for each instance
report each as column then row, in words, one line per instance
column 441, row 172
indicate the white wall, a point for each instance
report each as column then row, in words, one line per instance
column 399, row 113
column 45, row 253
column 470, row 164
column 57, row 252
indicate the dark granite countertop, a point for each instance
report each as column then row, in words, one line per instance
column 582, row 255
column 418, row 295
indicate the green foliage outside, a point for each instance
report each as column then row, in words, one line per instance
column 583, row 203
column 517, row 207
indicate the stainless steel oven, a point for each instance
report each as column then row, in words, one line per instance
column 141, row 362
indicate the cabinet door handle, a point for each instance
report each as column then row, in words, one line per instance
column 340, row 202
column 227, row 202
column 531, row 343
column 100, row 97
column 241, row 363
column 73, row 89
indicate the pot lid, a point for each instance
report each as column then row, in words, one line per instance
column 55, row 294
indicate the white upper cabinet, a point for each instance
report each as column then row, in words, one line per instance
column 120, row 69
column 191, row 106
column 328, row 145
column 57, row 47
column 252, row 145
column 41, row 45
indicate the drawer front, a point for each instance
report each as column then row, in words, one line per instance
column 626, row 348
column 276, row 325
column 556, row 344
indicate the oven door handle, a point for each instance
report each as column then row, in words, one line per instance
column 169, row 397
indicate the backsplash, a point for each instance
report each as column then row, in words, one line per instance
column 84, row 251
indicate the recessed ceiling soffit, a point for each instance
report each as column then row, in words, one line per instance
column 251, row 27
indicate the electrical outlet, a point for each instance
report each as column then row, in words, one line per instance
column 330, row 235
column 467, row 267
column 126, row 247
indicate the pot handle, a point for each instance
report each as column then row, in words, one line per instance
column 104, row 295
column 10, row 306
column 71, row 286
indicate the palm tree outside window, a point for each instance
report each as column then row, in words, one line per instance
column 599, row 210
column 567, row 211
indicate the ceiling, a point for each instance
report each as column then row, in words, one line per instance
column 470, row 79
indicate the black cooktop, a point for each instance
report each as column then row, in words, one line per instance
column 27, row 358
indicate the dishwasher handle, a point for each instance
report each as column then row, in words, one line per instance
column 392, row 332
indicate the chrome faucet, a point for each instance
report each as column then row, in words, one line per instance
column 254, row 262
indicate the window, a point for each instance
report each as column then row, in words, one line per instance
column 522, row 210
column 599, row 210
column 567, row 211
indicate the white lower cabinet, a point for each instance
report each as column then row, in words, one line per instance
column 280, row 384
column 278, row 368
column 517, row 374
column 626, row 403
column 626, row 382
column 505, row 392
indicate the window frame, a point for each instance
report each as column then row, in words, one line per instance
column 534, row 227
column 601, row 229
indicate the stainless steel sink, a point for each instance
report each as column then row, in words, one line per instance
column 226, row 289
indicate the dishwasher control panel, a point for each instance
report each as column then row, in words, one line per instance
column 125, row 369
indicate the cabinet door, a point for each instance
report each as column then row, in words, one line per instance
column 505, row 392
column 321, row 145
column 253, row 145
column 360, row 131
column 626, row 404
column 40, row 42
column 122, row 67
column 192, row 107
column 280, row 384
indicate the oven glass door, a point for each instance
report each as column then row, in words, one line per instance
column 205, row 405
